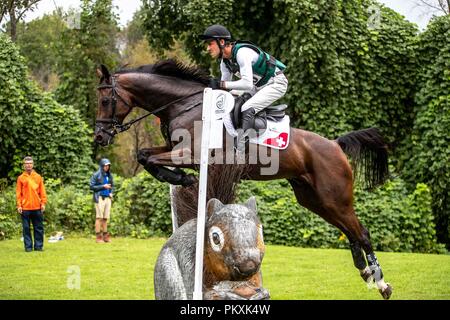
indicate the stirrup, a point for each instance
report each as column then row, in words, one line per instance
column 240, row 143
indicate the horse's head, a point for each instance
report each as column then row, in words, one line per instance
column 114, row 104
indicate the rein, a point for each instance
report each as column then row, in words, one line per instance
column 117, row 127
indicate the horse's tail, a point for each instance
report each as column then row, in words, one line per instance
column 369, row 153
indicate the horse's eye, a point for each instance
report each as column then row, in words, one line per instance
column 105, row 102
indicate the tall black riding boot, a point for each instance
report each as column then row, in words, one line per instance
column 248, row 119
column 248, row 122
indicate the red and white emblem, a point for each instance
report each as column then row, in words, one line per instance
column 278, row 142
column 276, row 135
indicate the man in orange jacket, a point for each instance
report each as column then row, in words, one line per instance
column 31, row 199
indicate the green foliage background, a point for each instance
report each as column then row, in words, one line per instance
column 33, row 123
column 342, row 73
column 37, row 41
column 345, row 70
column 348, row 68
column 426, row 151
column 81, row 50
column 397, row 219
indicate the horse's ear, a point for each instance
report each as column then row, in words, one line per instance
column 103, row 73
column 213, row 205
column 251, row 204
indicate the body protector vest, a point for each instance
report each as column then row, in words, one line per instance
column 264, row 67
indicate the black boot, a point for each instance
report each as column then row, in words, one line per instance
column 248, row 119
column 248, row 122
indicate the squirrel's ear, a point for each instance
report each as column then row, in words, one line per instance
column 213, row 205
column 251, row 204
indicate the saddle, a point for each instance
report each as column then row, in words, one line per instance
column 272, row 124
column 272, row 113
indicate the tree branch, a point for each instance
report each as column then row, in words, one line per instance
column 19, row 7
column 445, row 5
column 27, row 7
column 5, row 9
column 426, row 3
column 2, row 14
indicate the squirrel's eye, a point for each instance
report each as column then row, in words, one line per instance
column 216, row 238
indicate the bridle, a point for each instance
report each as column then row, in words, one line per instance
column 115, row 124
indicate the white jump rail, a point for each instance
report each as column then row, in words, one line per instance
column 216, row 104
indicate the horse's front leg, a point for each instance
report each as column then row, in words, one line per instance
column 144, row 154
column 154, row 160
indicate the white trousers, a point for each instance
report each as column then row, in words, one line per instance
column 273, row 90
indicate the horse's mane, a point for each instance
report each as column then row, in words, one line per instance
column 172, row 68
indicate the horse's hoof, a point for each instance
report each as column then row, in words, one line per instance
column 387, row 292
column 142, row 156
column 188, row 180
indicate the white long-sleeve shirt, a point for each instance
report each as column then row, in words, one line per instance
column 245, row 57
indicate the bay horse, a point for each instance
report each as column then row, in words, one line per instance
column 317, row 168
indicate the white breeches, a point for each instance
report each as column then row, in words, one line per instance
column 266, row 95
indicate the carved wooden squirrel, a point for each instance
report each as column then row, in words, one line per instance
column 234, row 249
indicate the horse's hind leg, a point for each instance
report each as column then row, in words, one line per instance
column 341, row 214
column 359, row 237
column 307, row 197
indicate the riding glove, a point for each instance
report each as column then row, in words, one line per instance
column 214, row 84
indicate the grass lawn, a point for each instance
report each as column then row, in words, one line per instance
column 123, row 269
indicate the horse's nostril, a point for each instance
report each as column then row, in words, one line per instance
column 98, row 138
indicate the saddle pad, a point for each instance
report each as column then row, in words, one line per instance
column 276, row 135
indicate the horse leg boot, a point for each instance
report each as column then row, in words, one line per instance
column 384, row 288
column 175, row 177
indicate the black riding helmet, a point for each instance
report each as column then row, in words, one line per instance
column 217, row 32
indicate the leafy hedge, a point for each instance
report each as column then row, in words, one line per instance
column 398, row 220
column 33, row 123
column 68, row 208
column 344, row 74
column 351, row 64
column 141, row 208
column 10, row 225
column 427, row 154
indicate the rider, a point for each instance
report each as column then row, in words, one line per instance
column 260, row 74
